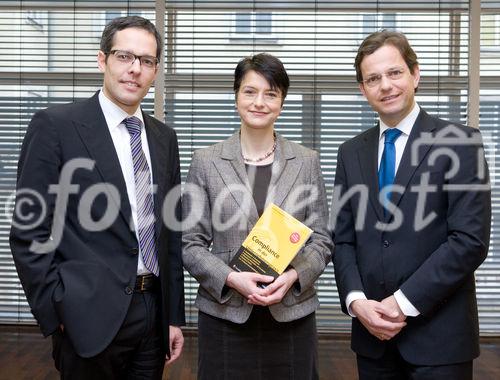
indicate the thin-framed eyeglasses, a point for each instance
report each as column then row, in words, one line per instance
column 129, row 58
column 375, row 79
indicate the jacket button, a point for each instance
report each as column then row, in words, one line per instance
column 386, row 244
column 129, row 290
column 134, row 251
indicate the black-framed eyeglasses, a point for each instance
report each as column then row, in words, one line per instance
column 129, row 58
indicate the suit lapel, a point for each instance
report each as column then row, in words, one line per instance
column 92, row 128
column 284, row 173
column 368, row 161
column 407, row 168
column 232, row 170
column 158, row 154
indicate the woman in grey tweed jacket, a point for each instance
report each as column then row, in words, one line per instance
column 246, row 331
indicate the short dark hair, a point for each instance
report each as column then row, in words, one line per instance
column 385, row 37
column 266, row 65
column 126, row 22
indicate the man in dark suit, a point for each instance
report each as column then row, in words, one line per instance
column 411, row 215
column 102, row 273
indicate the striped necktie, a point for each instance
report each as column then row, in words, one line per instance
column 144, row 197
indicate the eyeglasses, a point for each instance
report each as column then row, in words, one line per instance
column 129, row 58
column 375, row 79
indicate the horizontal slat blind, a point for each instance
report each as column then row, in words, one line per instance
column 317, row 42
column 48, row 51
column 488, row 275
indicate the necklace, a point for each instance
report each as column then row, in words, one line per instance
column 264, row 156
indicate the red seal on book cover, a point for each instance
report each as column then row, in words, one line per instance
column 294, row 237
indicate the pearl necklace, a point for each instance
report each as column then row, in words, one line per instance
column 264, row 156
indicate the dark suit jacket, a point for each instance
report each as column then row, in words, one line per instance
column 433, row 264
column 86, row 282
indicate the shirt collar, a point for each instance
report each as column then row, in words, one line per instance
column 114, row 115
column 404, row 125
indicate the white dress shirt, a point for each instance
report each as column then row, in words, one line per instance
column 121, row 139
column 404, row 126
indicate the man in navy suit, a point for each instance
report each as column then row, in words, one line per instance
column 101, row 272
column 411, row 215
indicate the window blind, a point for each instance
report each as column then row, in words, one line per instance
column 317, row 42
column 488, row 275
column 48, row 51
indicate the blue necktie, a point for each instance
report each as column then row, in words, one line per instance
column 387, row 169
column 144, row 197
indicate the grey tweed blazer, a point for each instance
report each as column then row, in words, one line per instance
column 220, row 212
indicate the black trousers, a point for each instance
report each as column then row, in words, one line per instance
column 259, row 349
column 135, row 353
column 392, row 366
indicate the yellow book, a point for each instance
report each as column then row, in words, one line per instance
column 271, row 244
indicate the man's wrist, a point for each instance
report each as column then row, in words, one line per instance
column 405, row 305
column 351, row 297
